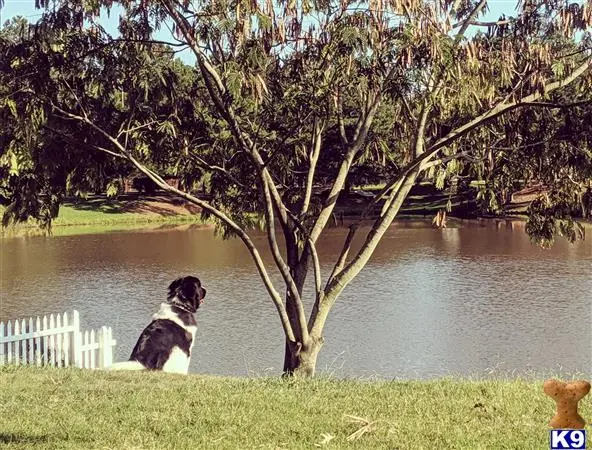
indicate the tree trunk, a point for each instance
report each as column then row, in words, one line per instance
column 301, row 360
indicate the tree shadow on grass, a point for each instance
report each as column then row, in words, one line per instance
column 103, row 206
column 31, row 439
column 163, row 205
column 14, row 438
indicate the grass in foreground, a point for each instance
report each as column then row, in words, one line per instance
column 69, row 408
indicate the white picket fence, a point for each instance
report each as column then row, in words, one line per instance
column 55, row 341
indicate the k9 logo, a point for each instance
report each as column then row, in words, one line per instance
column 568, row 439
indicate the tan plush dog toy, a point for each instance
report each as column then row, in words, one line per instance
column 567, row 396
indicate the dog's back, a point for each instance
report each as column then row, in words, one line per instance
column 165, row 344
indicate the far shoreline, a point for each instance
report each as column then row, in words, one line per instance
column 154, row 213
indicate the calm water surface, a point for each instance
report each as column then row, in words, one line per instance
column 471, row 300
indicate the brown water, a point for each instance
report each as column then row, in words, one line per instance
column 472, row 300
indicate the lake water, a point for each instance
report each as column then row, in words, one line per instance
column 472, row 300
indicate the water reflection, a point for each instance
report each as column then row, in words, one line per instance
column 462, row 300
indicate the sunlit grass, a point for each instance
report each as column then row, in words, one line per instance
column 100, row 217
column 58, row 408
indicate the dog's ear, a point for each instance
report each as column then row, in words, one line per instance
column 174, row 287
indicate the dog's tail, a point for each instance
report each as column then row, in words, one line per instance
column 126, row 365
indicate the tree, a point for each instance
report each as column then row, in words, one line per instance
column 291, row 96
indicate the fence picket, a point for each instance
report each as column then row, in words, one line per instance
column 9, row 349
column 24, row 348
column 85, row 351
column 38, row 342
column 17, row 344
column 44, row 340
column 92, row 350
column 52, row 343
column 76, row 340
column 105, row 347
column 59, row 341
column 55, row 340
column 66, row 339
column 2, row 343
column 31, row 342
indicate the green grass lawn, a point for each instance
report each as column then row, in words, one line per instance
column 70, row 408
column 98, row 216
column 70, row 215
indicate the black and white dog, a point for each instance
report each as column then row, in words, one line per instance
column 165, row 344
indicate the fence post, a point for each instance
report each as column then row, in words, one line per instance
column 105, row 347
column 76, row 340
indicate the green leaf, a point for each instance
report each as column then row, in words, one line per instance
column 113, row 188
column 441, row 177
column 12, row 106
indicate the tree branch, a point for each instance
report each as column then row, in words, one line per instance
column 490, row 114
column 138, row 127
column 272, row 197
column 213, row 168
column 313, row 158
column 341, row 124
column 486, row 24
column 474, row 13
column 357, row 142
column 205, row 205
column 282, row 266
column 403, row 184
column 344, row 277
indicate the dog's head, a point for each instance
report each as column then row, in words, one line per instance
column 188, row 292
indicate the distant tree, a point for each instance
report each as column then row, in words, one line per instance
column 546, row 149
column 290, row 96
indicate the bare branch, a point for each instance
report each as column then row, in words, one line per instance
column 402, row 185
column 474, row 13
column 421, row 126
column 339, row 111
column 186, row 29
column 408, row 108
column 214, row 168
column 355, row 145
column 218, row 93
column 556, row 105
column 138, row 127
column 78, row 102
column 317, row 134
column 310, row 247
column 280, row 263
column 344, row 277
column 490, row 114
column 75, row 142
column 486, row 24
